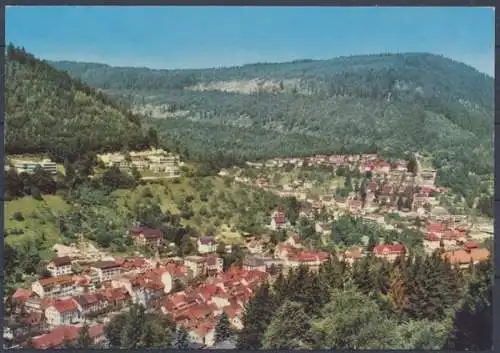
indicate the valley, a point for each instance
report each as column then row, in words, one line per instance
column 203, row 208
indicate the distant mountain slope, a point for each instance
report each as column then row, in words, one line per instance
column 435, row 73
column 391, row 103
column 47, row 111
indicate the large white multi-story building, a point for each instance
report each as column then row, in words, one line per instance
column 30, row 166
column 155, row 160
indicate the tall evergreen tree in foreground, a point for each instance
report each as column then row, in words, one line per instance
column 352, row 320
column 222, row 329
column 257, row 316
column 289, row 329
column 473, row 322
column 84, row 340
column 181, row 340
column 138, row 329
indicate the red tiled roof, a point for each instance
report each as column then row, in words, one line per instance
column 309, row 256
column 207, row 291
column 148, row 233
column 61, row 261
column 91, row 298
column 60, row 280
column 175, row 269
column 463, row 257
column 115, row 294
column 471, row 245
column 65, row 305
column 427, row 189
column 389, row 249
column 233, row 310
column 132, row 263
column 452, row 235
column 432, row 237
column 436, row 227
column 46, row 302
column 21, row 295
column 199, row 311
column 105, row 265
column 57, row 337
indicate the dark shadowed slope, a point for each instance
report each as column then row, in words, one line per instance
column 47, row 111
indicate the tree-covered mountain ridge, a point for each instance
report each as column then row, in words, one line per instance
column 389, row 103
column 49, row 112
column 426, row 73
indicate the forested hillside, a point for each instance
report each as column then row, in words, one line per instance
column 49, row 112
column 392, row 104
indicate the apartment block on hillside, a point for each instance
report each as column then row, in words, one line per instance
column 30, row 166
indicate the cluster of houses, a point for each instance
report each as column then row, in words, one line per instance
column 388, row 182
column 364, row 162
column 195, row 290
column 456, row 245
column 155, row 160
column 57, row 305
column 318, row 160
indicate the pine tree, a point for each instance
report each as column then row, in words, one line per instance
column 473, row 323
column 181, row 340
column 397, row 294
column 400, row 203
column 372, row 242
column 222, row 329
column 132, row 330
column 412, row 165
column 333, row 273
column 316, row 294
column 362, row 275
column 257, row 316
column 289, row 328
column 280, row 288
column 149, row 335
column 382, row 277
column 84, row 340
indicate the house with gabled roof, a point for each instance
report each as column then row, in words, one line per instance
column 278, row 220
column 105, row 270
column 60, row 266
column 206, row 244
column 91, row 304
column 58, row 337
column 60, row 286
column 389, row 252
column 63, row 312
column 144, row 236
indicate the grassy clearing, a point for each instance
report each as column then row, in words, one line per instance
column 170, row 195
column 39, row 218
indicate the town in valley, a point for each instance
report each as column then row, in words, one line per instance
column 83, row 284
column 249, row 178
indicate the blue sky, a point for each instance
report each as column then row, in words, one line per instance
column 198, row 37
